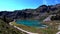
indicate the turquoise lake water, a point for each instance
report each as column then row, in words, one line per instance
column 33, row 23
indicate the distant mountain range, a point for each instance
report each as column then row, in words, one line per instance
column 37, row 13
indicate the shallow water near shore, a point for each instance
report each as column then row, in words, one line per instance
column 32, row 23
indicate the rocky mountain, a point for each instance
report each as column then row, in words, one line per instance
column 37, row 13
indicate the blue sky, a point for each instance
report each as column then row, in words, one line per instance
column 11, row 5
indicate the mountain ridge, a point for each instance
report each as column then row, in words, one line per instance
column 31, row 13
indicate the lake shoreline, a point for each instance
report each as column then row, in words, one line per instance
column 21, row 29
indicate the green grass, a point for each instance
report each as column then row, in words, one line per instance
column 27, row 28
column 49, row 30
column 7, row 29
column 52, row 28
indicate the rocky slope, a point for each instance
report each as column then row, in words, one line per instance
column 37, row 13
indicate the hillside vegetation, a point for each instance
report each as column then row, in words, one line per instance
column 7, row 29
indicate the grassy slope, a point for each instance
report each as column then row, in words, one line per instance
column 7, row 29
column 53, row 26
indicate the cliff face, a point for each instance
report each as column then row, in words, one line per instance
column 31, row 13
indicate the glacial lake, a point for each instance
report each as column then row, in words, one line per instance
column 32, row 23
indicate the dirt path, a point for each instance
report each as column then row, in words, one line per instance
column 22, row 29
